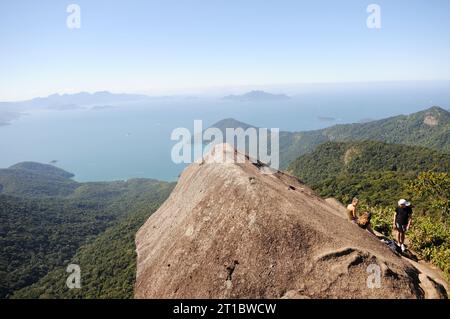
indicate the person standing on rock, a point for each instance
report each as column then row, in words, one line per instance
column 351, row 210
column 402, row 221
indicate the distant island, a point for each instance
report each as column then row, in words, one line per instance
column 66, row 102
column 6, row 116
column 76, row 100
column 102, row 100
column 257, row 96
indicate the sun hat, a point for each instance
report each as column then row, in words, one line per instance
column 402, row 202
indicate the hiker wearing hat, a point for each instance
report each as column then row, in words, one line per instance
column 402, row 220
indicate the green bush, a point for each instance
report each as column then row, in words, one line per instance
column 382, row 220
column 431, row 240
column 432, row 190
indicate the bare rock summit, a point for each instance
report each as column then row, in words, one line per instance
column 234, row 230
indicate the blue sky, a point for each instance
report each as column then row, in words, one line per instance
column 170, row 46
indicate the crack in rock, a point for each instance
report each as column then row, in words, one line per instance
column 230, row 270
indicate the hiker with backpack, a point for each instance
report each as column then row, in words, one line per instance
column 402, row 221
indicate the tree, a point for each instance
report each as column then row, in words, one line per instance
column 434, row 189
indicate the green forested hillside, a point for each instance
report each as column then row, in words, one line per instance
column 379, row 175
column 429, row 128
column 36, row 235
column 39, row 232
column 108, row 264
column 44, row 169
column 372, row 168
column 36, row 180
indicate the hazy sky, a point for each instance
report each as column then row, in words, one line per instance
column 156, row 46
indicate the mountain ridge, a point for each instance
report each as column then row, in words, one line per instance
column 334, row 158
column 428, row 128
column 376, row 172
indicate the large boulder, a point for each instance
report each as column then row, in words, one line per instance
column 231, row 230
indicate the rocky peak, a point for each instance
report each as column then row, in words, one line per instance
column 231, row 230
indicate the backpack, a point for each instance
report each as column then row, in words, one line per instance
column 393, row 246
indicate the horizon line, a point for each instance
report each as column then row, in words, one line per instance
column 173, row 92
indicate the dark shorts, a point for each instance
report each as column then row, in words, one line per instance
column 401, row 227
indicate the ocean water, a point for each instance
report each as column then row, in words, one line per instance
column 133, row 141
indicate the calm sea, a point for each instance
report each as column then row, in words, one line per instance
column 134, row 140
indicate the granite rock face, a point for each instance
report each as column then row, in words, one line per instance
column 231, row 230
